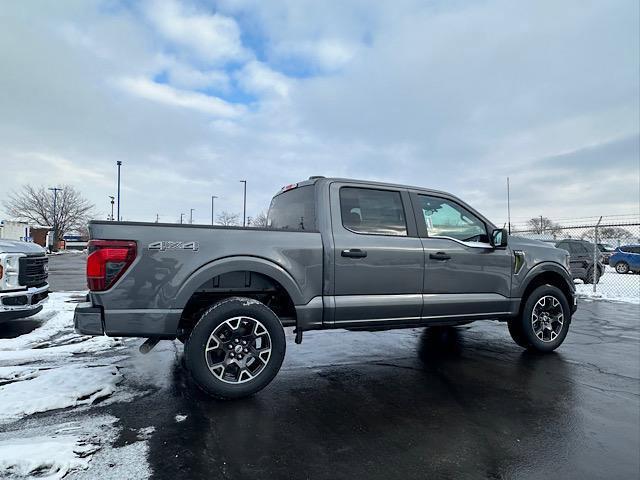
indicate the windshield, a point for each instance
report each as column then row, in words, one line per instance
column 294, row 209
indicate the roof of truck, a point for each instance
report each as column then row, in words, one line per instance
column 317, row 179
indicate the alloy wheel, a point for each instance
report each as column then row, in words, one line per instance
column 238, row 350
column 547, row 318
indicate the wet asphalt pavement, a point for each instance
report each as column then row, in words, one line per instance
column 420, row 403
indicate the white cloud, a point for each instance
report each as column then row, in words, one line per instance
column 168, row 95
column 450, row 95
column 183, row 76
column 211, row 37
column 256, row 77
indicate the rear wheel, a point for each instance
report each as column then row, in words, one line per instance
column 236, row 348
column 590, row 276
column 622, row 267
column 544, row 321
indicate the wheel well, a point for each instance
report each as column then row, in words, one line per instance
column 547, row 278
column 238, row 284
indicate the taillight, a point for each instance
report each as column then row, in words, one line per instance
column 107, row 262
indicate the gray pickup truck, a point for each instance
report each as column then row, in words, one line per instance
column 337, row 253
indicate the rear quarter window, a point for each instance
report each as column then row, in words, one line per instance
column 294, row 209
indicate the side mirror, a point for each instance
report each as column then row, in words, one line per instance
column 499, row 238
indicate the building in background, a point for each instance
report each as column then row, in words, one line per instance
column 12, row 230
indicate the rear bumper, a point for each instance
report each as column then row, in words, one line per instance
column 88, row 319
column 24, row 303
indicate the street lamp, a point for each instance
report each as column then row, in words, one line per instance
column 244, row 207
column 191, row 215
column 119, row 163
column 213, row 197
column 112, row 201
column 55, row 221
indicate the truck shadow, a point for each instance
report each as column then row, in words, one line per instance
column 460, row 407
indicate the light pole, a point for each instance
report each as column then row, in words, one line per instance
column 213, row 197
column 244, row 204
column 112, row 201
column 55, row 221
column 191, row 215
column 119, row 163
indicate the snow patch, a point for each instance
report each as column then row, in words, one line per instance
column 44, row 456
column 146, row 432
column 16, row 373
column 613, row 286
column 53, row 451
column 62, row 387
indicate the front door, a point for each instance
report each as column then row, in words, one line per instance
column 464, row 274
column 378, row 258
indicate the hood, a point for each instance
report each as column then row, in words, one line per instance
column 14, row 246
column 520, row 242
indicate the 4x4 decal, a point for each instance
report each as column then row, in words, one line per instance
column 164, row 245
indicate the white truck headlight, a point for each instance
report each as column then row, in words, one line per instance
column 10, row 269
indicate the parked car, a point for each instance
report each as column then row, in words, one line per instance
column 581, row 260
column 23, row 279
column 606, row 250
column 626, row 259
column 336, row 254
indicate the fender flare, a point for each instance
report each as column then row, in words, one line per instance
column 545, row 267
column 236, row 264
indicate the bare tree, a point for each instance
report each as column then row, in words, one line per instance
column 608, row 233
column 228, row 219
column 260, row 220
column 543, row 225
column 35, row 205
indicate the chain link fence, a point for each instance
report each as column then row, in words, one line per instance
column 604, row 252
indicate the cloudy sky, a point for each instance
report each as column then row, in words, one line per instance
column 194, row 96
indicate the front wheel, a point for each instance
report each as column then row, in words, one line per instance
column 544, row 322
column 236, row 348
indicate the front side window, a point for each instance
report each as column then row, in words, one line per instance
column 445, row 218
column 294, row 209
column 377, row 212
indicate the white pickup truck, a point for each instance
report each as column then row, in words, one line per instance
column 24, row 270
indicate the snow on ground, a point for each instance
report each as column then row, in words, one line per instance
column 59, row 374
column 60, row 387
column 44, row 456
column 613, row 286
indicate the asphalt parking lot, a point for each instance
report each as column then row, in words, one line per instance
column 420, row 403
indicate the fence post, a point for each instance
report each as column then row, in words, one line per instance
column 596, row 271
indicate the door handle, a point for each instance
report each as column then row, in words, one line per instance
column 439, row 256
column 354, row 253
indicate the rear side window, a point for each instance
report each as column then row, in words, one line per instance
column 377, row 212
column 294, row 209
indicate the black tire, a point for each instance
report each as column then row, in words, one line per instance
column 522, row 327
column 515, row 330
column 622, row 267
column 246, row 313
column 589, row 277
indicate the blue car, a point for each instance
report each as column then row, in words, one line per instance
column 626, row 259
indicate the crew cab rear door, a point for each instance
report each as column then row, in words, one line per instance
column 378, row 257
column 464, row 275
